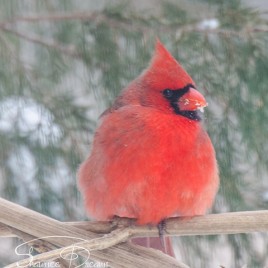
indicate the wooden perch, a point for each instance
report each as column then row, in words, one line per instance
column 40, row 226
column 111, row 236
column 213, row 224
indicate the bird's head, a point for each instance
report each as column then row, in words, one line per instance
column 165, row 85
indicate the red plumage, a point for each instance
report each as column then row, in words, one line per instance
column 151, row 157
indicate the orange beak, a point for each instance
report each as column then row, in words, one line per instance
column 192, row 100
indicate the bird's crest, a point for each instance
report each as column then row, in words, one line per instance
column 165, row 71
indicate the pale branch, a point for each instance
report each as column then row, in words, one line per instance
column 96, row 17
column 127, row 23
column 69, row 51
column 5, row 231
column 62, row 235
column 36, row 225
column 52, row 255
column 98, row 227
column 39, row 245
column 99, row 17
column 213, row 224
column 122, row 23
column 55, row 17
column 106, row 241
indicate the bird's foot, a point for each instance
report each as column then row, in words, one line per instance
column 161, row 231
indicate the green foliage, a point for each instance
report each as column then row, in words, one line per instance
column 59, row 74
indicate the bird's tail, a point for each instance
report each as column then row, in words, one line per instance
column 165, row 245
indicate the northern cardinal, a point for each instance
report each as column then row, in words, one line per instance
column 151, row 157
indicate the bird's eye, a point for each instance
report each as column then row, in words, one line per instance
column 168, row 93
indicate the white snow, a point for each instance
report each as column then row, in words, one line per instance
column 209, row 24
column 29, row 118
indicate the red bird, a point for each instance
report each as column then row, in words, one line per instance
column 151, row 157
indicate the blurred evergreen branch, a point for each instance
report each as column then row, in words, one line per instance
column 60, row 68
column 126, row 23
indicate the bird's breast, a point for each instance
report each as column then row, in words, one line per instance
column 154, row 164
